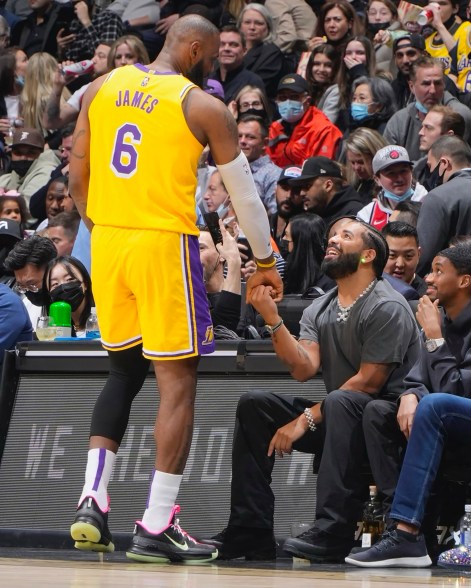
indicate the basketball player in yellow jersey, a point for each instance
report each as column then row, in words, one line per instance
column 451, row 42
column 138, row 138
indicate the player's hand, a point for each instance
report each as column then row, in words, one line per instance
column 248, row 269
column 283, row 439
column 406, row 413
column 266, row 277
column 260, row 297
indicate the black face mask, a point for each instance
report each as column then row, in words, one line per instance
column 435, row 179
column 37, row 298
column 375, row 27
column 254, row 112
column 21, row 167
column 70, row 292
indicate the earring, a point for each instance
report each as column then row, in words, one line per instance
column 362, row 260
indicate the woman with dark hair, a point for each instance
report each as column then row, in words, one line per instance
column 66, row 279
column 321, row 69
column 357, row 60
column 305, row 235
column 372, row 104
column 263, row 57
column 337, row 22
column 382, row 17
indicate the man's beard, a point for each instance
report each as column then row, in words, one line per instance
column 196, row 74
column 292, row 211
column 345, row 264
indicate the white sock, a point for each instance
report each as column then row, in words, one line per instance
column 162, row 496
column 100, row 464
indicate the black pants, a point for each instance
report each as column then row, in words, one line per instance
column 356, row 427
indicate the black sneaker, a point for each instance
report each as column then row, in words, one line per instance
column 396, row 549
column 90, row 528
column 318, row 546
column 171, row 544
column 249, row 542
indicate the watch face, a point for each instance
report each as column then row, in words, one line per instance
column 430, row 345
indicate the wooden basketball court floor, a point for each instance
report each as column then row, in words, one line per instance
column 41, row 568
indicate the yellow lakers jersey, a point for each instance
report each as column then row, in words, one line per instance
column 143, row 156
column 436, row 49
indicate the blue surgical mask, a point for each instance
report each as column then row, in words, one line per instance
column 359, row 111
column 408, row 194
column 222, row 209
column 20, row 80
column 420, row 107
column 291, row 110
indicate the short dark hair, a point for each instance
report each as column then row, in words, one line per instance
column 424, row 61
column 459, row 257
column 408, row 212
column 67, row 130
column 233, row 29
column 69, row 221
column 38, row 251
column 454, row 147
column 400, row 229
column 245, row 118
column 460, row 240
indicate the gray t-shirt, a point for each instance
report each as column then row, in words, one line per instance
column 380, row 329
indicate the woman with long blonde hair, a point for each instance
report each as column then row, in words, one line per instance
column 38, row 87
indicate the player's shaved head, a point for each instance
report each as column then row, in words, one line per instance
column 191, row 27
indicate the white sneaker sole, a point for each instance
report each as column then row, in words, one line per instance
column 400, row 562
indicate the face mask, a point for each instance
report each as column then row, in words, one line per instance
column 359, row 111
column 390, row 196
column 21, row 167
column 70, row 292
column 291, row 110
column 36, row 298
column 255, row 112
column 20, row 81
column 375, row 27
column 420, row 107
column 435, row 179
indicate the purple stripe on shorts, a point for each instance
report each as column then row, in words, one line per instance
column 204, row 327
column 100, row 468
column 150, row 488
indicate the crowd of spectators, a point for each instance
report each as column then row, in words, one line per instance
column 344, row 109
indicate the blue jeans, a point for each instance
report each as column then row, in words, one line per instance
column 440, row 418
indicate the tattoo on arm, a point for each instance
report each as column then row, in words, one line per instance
column 231, row 125
column 302, row 353
column 53, row 108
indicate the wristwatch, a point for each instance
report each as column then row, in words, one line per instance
column 272, row 329
column 432, row 345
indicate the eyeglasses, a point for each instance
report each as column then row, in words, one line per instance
column 254, row 104
column 23, row 289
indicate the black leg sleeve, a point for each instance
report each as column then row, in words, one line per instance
column 128, row 370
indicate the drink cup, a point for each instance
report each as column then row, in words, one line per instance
column 425, row 17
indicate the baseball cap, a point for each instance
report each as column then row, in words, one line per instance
column 314, row 167
column 389, row 155
column 214, row 88
column 288, row 173
column 411, row 40
column 293, row 82
column 28, row 136
column 10, row 230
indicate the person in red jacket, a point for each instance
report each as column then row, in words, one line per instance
column 303, row 130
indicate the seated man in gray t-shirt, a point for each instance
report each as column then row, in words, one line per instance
column 365, row 337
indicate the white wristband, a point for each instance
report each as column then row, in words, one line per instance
column 251, row 213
